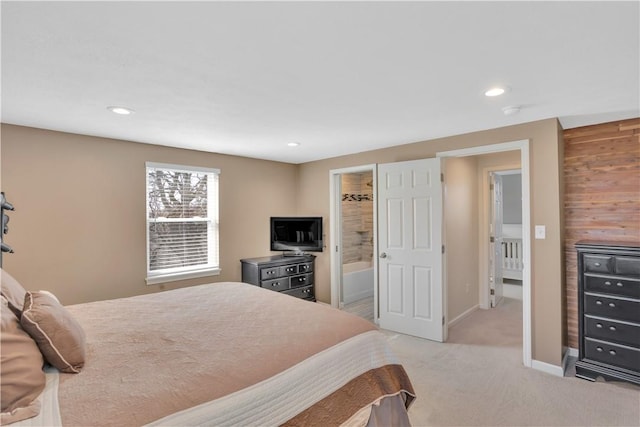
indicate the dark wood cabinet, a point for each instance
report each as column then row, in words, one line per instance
column 291, row 275
column 609, row 311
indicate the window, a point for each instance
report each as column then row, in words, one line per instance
column 182, row 222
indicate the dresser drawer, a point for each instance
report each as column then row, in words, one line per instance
column 612, row 354
column 609, row 330
column 277, row 284
column 598, row 263
column 288, row 270
column 628, row 266
column 305, row 268
column 301, row 292
column 612, row 285
column 614, row 308
column 302, row 280
column 269, row 273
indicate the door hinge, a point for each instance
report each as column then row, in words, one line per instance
column 442, row 320
column 491, row 187
column 493, row 291
column 441, row 177
column 492, row 239
column 337, row 248
column 442, row 248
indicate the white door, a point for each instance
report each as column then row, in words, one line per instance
column 495, row 240
column 410, row 248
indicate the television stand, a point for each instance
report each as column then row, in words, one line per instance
column 291, row 275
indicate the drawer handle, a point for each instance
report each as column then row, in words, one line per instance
column 275, row 284
column 598, row 325
column 300, row 279
column 612, row 328
column 612, row 305
column 608, row 283
column 600, row 349
column 598, row 302
column 597, row 264
column 612, row 352
column 619, row 284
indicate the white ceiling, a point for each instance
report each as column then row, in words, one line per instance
column 246, row 78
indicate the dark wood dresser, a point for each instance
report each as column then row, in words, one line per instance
column 291, row 275
column 609, row 311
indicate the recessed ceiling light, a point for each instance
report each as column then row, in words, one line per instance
column 120, row 110
column 293, row 144
column 495, row 91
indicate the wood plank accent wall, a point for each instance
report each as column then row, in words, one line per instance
column 602, row 195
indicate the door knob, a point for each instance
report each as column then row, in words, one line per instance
column 383, row 255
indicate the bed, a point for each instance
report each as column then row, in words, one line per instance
column 218, row 354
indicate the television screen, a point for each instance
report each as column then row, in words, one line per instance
column 296, row 234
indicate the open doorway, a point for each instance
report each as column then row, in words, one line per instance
column 480, row 296
column 353, row 241
column 505, row 235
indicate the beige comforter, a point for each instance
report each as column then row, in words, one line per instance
column 154, row 355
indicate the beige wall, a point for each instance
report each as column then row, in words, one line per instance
column 79, row 225
column 83, row 197
column 547, row 266
column 461, row 235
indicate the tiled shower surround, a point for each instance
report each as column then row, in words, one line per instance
column 357, row 217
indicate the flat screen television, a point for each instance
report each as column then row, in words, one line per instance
column 296, row 235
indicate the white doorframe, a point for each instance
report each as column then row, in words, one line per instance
column 335, row 236
column 523, row 146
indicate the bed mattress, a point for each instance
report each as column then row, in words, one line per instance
column 227, row 354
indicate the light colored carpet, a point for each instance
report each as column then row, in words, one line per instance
column 477, row 379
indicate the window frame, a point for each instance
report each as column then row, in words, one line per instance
column 213, row 231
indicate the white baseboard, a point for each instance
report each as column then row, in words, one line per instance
column 463, row 315
column 558, row 371
column 570, row 352
column 512, row 291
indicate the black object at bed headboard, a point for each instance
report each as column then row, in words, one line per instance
column 4, row 206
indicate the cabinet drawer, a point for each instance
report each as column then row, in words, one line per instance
column 628, row 266
column 597, row 263
column 302, row 280
column 615, row 308
column 301, row 292
column 305, row 268
column 288, row 270
column 612, row 285
column 276, row 285
column 612, row 354
column 609, row 330
column 269, row 273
